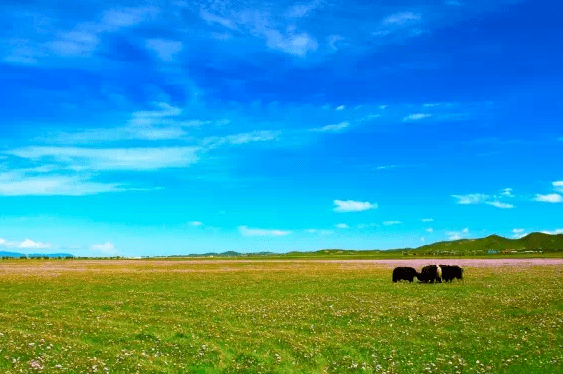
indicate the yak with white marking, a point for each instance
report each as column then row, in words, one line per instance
column 451, row 272
column 430, row 274
column 404, row 273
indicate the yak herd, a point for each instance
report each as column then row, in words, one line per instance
column 428, row 274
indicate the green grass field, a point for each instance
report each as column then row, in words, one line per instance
column 274, row 317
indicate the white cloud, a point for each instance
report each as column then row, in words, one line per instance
column 320, row 232
column 475, row 198
column 299, row 44
column 550, row 198
column 416, row 117
column 166, row 50
column 114, row 19
column 385, row 167
column 259, row 24
column 246, row 231
column 366, row 225
column 28, row 243
column 2, row 241
column 558, row 186
column 353, row 206
column 195, row 223
column 507, row 192
column 402, row 19
column 213, row 18
column 333, row 40
column 422, row 239
column 302, row 9
column 341, row 107
column 427, row 220
column 430, row 229
column 499, row 204
column 342, row 226
column 243, row 138
column 163, row 123
column 554, row 232
column 333, row 128
column 106, row 248
column 97, row 159
column 85, row 37
column 456, row 235
column 391, row 223
column 519, row 233
column 16, row 183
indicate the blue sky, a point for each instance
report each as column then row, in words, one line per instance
column 170, row 127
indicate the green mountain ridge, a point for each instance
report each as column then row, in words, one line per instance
column 530, row 242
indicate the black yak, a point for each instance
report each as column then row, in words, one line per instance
column 404, row 273
column 450, row 272
column 430, row 274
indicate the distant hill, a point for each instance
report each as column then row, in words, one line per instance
column 34, row 255
column 533, row 241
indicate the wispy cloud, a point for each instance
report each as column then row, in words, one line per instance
column 162, row 123
column 367, row 225
column 430, row 229
column 333, row 41
column 385, row 167
column 28, row 243
column 302, row 9
column 340, row 107
column 260, row 24
column 416, row 117
column 554, row 232
column 549, row 198
column 195, row 223
column 319, row 231
column 342, row 226
column 456, row 235
column 402, row 19
column 333, row 128
column 427, row 220
column 519, row 233
column 475, row 198
column 246, row 231
column 391, row 223
column 86, row 37
column 97, row 159
column 166, row 50
column 20, row 183
column 106, row 248
column 243, row 138
column 558, row 186
column 353, row 206
column 507, row 192
column 499, row 204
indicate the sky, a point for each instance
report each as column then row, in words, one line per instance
column 138, row 128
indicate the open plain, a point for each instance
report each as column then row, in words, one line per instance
column 259, row 316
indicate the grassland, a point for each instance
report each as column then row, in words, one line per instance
column 275, row 317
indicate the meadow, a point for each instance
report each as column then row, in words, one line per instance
column 69, row 316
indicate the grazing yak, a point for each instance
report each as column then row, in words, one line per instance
column 404, row 273
column 430, row 274
column 451, row 272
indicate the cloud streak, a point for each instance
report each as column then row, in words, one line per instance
column 549, row 198
column 246, row 231
column 96, row 159
column 353, row 206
